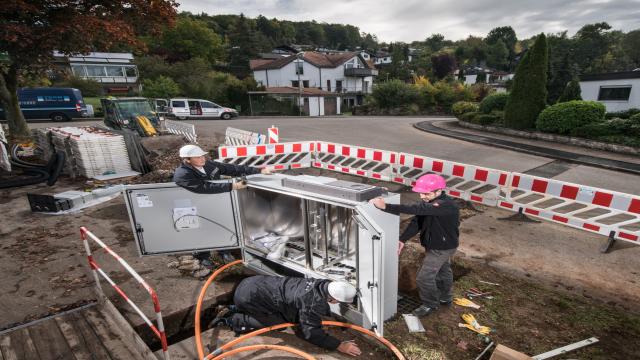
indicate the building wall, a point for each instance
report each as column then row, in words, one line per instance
column 591, row 89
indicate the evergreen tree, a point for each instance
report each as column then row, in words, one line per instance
column 244, row 47
column 528, row 95
column 571, row 91
column 561, row 76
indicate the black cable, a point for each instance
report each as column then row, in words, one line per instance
column 233, row 233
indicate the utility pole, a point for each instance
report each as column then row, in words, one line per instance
column 299, row 55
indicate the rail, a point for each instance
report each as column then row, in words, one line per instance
column 85, row 235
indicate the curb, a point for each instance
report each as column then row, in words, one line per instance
column 594, row 161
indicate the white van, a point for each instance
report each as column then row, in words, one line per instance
column 199, row 109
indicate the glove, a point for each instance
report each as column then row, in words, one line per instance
column 472, row 324
column 238, row 185
column 466, row 303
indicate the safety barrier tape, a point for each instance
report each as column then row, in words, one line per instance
column 583, row 207
column 159, row 331
column 468, row 182
column 280, row 156
column 355, row 160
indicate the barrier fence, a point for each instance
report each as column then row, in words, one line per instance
column 235, row 137
column 86, row 235
column 181, row 128
column 609, row 213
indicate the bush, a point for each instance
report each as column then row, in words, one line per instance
column 635, row 118
column 593, row 130
column 625, row 114
column 394, row 93
column 561, row 118
column 162, row 87
column 469, row 116
column 486, row 119
column 494, row 102
column 462, row 107
column 88, row 88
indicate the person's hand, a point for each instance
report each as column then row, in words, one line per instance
column 378, row 202
column 349, row 348
column 238, row 185
column 400, row 247
column 266, row 171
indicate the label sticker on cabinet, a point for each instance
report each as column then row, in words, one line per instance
column 185, row 218
column 144, row 201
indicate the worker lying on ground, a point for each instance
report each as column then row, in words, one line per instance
column 261, row 301
column 195, row 172
column 437, row 220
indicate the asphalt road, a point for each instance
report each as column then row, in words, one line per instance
column 398, row 134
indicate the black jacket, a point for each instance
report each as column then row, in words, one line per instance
column 195, row 181
column 298, row 300
column 438, row 222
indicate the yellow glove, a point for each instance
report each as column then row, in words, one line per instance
column 472, row 324
column 466, row 303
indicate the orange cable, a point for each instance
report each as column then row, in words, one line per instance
column 266, row 346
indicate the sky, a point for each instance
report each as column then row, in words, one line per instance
column 409, row 20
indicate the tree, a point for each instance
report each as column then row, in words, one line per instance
column 191, row 38
column 498, row 55
column 443, row 64
column 507, row 35
column 592, row 42
column 631, row 46
column 435, row 42
column 571, row 91
column 162, row 87
column 560, row 76
column 244, row 46
column 529, row 92
column 31, row 30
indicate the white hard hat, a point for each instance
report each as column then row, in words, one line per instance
column 342, row 291
column 188, row 151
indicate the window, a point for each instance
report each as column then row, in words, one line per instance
column 338, row 85
column 328, row 85
column 295, row 83
column 209, row 105
column 305, row 83
column 95, row 71
column 615, row 93
column 115, row 71
column 177, row 104
column 299, row 67
column 131, row 71
column 78, row 70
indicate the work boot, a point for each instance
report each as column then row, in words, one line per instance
column 445, row 302
column 423, row 311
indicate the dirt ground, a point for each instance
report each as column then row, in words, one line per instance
column 555, row 287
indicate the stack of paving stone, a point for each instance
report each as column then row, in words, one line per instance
column 92, row 151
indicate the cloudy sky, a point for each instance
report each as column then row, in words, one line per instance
column 407, row 20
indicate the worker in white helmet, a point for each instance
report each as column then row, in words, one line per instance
column 262, row 301
column 194, row 174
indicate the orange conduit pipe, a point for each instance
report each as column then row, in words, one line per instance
column 199, row 304
column 266, row 347
column 234, row 342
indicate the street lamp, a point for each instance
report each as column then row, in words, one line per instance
column 299, row 56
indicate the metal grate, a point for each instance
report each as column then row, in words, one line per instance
column 407, row 303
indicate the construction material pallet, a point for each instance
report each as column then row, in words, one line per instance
column 94, row 331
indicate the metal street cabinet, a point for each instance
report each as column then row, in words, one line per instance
column 302, row 225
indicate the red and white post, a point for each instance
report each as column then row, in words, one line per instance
column 272, row 135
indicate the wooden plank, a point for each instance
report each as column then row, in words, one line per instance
column 113, row 339
column 82, row 340
column 49, row 341
column 30, row 346
column 135, row 341
column 6, row 349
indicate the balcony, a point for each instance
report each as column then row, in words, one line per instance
column 360, row 72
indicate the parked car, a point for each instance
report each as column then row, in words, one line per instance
column 199, row 109
column 57, row 104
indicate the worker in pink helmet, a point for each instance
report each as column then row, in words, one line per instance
column 437, row 220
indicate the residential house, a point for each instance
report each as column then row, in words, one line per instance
column 115, row 71
column 618, row 91
column 344, row 73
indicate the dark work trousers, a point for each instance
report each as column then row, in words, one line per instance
column 242, row 323
column 435, row 278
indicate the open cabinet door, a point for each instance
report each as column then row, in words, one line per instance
column 369, row 273
column 168, row 219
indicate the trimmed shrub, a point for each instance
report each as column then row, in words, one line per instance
column 635, row 118
column 469, row 116
column 571, row 91
column 486, row 119
column 563, row 117
column 394, row 93
column 626, row 114
column 529, row 91
column 494, row 102
column 462, row 107
column 593, row 130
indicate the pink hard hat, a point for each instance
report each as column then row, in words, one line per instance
column 428, row 183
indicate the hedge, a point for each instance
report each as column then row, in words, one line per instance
column 623, row 114
column 563, row 117
column 462, row 107
column 494, row 102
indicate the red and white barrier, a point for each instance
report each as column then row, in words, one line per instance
column 281, row 156
column 468, row 182
column 86, row 235
column 355, row 160
column 583, row 207
column 273, row 135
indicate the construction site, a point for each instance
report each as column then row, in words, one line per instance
column 99, row 246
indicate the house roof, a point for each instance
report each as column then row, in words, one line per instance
column 611, row 76
column 258, row 62
column 290, row 90
column 315, row 58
